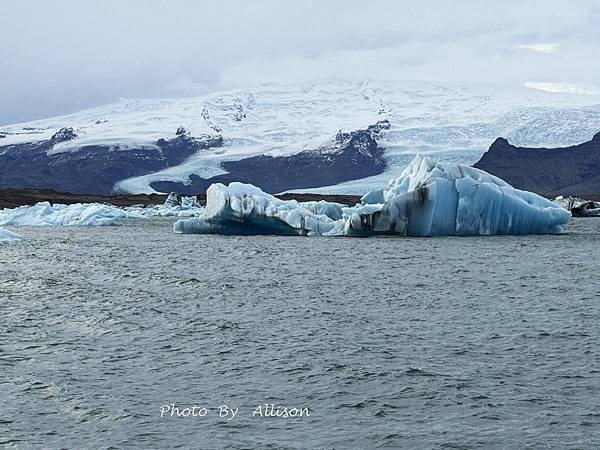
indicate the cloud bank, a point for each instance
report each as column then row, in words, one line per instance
column 61, row 56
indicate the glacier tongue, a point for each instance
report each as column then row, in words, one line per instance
column 427, row 199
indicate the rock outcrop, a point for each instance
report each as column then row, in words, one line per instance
column 567, row 171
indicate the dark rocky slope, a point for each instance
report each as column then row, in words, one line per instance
column 92, row 169
column 571, row 170
column 95, row 169
column 348, row 156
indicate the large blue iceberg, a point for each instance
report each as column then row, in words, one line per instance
column 428, row 199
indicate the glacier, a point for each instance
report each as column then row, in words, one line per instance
column 427, row 199
column 79, row 214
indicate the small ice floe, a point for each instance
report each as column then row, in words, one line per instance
column 171, row 200
column 330, row 209
column 8, row 236
column 79, row 214
column 428, row 199
column 173, row 207
column 578, row 206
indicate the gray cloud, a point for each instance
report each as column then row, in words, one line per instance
column 61, row 56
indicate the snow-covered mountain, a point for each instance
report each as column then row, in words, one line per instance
column 335, row 136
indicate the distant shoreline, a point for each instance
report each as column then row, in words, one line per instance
column 12, row 198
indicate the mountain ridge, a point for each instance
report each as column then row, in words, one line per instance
column 572, row 170
column 267, row 125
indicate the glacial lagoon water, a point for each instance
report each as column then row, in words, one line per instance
column 389, row 342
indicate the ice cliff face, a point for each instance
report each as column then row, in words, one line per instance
column 283, row 137
column 428, row 199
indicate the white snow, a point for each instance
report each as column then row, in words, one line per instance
column 79, row 214
column 206, row 164
column 113, row 143
column 452, row 122
column 428, row 199
column 7, row 236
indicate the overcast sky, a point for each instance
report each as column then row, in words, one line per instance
column 61, row 56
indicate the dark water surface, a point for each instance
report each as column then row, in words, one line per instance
column 410, row 343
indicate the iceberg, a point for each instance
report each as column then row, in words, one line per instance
column 189, row 202
column 94, row 214
column 436, row 199
column 579, row 207
column 245, row 209
column 427, row 199
column 188, row 207
column 79, row 214
column 6, row 236
column 332, row 210
column 171, row 200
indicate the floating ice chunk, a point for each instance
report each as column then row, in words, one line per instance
column 330, row 209
column 245, row 209
column 372, row 197
column 80, row 214
column 171, row 200
column 578, row 206
column 165, row 211
column 430, row 199
column 189, row 202
column 6, row 236
column 188, row 207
